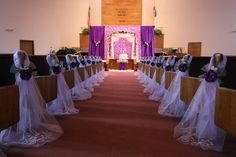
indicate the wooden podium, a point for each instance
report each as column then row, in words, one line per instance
column 113, row 64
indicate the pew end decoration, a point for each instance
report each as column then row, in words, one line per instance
column 25, row 74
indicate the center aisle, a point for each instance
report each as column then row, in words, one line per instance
column 119, row 121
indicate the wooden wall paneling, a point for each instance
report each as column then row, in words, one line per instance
column 9, row 104
column 169, row 76
column 121, row 12
column 225, row 110
column 188, row 88
column 47, row 86
column 69, row 78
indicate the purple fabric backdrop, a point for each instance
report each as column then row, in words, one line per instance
column 147, row 41
column 96, row 41
column 131, row 29
column 120, row 45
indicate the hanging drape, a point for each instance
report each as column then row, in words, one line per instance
column 147, row 41
column 96, row 41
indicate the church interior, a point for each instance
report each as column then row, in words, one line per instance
column 117, row 78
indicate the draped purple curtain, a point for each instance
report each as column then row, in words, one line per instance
column 96, row 41
column 147, row 41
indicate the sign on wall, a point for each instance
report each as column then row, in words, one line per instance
column 121, row 12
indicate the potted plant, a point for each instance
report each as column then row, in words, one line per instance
column 158, row 31
column 85, row 30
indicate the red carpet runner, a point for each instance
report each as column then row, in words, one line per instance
column 119, row 121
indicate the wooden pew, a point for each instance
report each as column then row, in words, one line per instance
column 94, row 68
column 169, row 76
column 140, row 65
column 101, row 66
column 152, row 71
column 47, row 86
column 89, row 70
column 9, row 104
column 159, row 73
column 188, row 88
column 81, row 73
column 144, row 68
column 98, row 67
column 69, row 77
column 147, row 70
column 225, row 110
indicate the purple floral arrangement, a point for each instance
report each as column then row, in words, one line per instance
column 89, row 61
column 25, row 74
column 100, row 62
column 183, row 67
column 73, row 64
column 158, row 65
column 93, row 62
column 152, row 64
column 56, row 69
column 210, row 76
column 168, row 68
column 148, row 62
column 82, row 62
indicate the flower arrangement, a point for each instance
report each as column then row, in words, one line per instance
column 157, row 31
column 66, row 50
column 73, row 64
column 183, row 67
column 210, row 76
column 25, row 74
column 56, row 69
column 158, row 65
column 82, row 62
column 89, row 61
column 168, row 68
column 152, row 64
